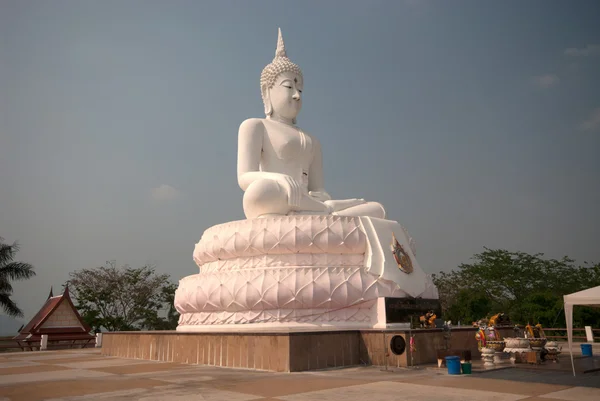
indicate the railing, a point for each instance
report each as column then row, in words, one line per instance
column 8, row 344
column 62, row 343
column 561, row 334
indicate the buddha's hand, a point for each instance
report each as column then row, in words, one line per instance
column 292, row 187
column 321, row 196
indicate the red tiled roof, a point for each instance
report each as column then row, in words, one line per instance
column 32, row 328
column 49, row 306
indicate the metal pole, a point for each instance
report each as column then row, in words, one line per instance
column 409, row 342
column 385, row 350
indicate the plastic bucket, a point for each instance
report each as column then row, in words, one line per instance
column 586, row 349
column 466, row 368
column 453, row 364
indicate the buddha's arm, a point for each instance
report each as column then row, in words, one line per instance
column 250, row 142
column 250, row 139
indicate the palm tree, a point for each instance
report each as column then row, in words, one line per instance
column 10, row 271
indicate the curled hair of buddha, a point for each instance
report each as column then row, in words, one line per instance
column 281, row 63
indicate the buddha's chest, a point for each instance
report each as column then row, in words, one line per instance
column 289, row 145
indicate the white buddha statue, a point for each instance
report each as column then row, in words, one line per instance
column 280, row 166
column 315, row 262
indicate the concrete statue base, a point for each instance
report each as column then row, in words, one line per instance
column 289, row 351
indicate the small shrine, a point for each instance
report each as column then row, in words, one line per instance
column 529, row 344
column 59, row 320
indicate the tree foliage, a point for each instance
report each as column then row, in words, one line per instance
column 124, row 298
column 527, row 287
column 11, row 271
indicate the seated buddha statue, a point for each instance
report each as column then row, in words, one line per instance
column 280, row 166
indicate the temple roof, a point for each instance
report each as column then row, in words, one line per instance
column 34, row 327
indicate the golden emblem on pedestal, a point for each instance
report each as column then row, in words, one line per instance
column 402, row 258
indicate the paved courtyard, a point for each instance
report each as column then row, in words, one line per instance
column 78, row 375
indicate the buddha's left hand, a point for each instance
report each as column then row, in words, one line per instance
column 321, row 196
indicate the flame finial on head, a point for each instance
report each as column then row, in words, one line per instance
column 280, row 51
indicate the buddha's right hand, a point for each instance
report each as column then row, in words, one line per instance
column 291, row 186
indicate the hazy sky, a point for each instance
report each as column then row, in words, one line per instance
column 476, row 123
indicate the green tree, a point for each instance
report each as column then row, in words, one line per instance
column 11, row 271
column 469, row 306
column 124, row 298
column 170, row 322
column 543, row 307
column 527, row 287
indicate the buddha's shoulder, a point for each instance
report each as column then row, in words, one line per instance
column 252, row 125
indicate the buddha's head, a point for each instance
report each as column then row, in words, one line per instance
column 281, row 85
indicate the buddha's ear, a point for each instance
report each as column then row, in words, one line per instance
column 267, row 100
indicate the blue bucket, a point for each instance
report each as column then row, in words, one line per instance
column 586, row 349
column 453, row 364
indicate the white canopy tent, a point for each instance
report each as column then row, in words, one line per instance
column 589, row 297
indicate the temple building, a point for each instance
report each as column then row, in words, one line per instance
column 58, row 318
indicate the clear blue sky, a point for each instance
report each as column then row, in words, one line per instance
column 476, row 123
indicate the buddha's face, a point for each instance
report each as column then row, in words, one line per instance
column 286, row 95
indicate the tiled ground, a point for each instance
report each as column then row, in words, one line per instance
column 80, row 375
